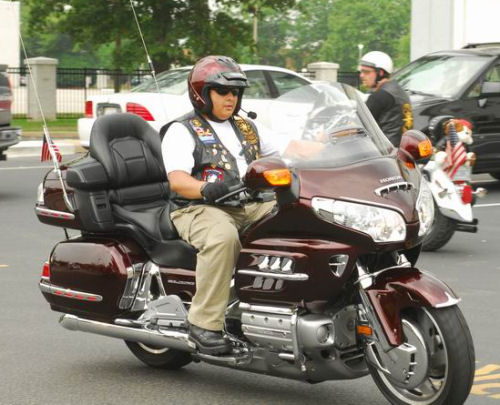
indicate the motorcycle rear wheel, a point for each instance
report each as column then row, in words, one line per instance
column 159, row 357
column 451, row 361
column 442, row 229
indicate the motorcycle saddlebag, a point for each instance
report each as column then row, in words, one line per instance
column 91, row 276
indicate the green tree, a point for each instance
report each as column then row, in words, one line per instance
column 381, row 25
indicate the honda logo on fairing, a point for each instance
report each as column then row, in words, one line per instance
column 389, row 179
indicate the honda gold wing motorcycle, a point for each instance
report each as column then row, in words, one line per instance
column 449, row 174
column 326, row 286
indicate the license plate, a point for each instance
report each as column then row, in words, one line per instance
column 463, row 173
column 110, row 110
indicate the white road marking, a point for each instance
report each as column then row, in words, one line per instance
column 486, row 205
column 26, row 167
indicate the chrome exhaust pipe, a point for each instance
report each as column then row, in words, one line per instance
column 166, row 338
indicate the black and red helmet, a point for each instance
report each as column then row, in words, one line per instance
column 214, row 71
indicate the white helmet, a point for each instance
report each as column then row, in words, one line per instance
column 377, row 60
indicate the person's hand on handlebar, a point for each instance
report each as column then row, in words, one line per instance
column 213, row 191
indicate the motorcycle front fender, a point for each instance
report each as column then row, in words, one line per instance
column 446, row 197
column 399, row 289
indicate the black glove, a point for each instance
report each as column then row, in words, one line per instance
column 213, row 191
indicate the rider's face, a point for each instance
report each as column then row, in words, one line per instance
column 368, row 76
column 223, row 104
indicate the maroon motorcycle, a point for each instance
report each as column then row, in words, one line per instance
column 325, row 287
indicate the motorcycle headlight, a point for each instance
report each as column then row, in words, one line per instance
column 383, row 225
column 425, row 207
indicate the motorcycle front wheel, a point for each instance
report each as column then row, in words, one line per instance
column 451, row 360
column 159, row 357
column 442, row 229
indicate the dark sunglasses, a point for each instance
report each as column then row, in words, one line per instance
column 224, row 91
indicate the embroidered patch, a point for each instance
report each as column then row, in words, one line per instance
column 246, row 130
column 204, row 134
column 212, row 175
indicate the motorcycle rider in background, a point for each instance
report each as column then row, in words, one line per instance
column 205, row 152
column 388, row 102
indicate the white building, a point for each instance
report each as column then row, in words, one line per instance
column 450, row 24
column 9, row 33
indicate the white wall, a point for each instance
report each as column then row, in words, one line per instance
column 9, row 33
column 450, row 24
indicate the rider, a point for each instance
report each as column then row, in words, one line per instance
column 205, row 152
column 388, row 103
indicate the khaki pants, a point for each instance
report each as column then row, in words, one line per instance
column 214, row 232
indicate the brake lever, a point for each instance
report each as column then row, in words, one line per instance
column 231, row 194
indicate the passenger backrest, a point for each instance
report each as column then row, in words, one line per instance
column 130, row 151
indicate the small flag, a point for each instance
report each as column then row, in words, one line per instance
column 456, row 155
column 46, row 152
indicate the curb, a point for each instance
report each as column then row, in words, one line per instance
column 34, row 148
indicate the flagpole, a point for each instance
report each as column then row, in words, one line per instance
column 46, row 133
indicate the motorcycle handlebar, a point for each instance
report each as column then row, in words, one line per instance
column 235, row 190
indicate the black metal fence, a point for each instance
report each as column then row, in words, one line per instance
column 351, row 78
column 74, row 85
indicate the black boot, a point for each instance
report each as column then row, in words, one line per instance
column 209, row 341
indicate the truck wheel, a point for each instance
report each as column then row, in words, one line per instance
column 159, row 357
column 442, row 229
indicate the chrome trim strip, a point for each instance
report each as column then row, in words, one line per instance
column 45, row 212
column 263, row 308
column 69, row 293
column 289, row 277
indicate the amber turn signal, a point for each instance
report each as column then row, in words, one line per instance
column 425, row 148
column 278, row 177
column 364, row 330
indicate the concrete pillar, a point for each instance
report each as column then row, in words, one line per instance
column 326, row 71
column 44, row 76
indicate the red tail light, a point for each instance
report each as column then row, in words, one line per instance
column 467, row 194
column 5, row 104
column 88, row 109
column 139, row 110
column 46, row 271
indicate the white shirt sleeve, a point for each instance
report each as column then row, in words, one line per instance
column 177, row 149
column 268, row 142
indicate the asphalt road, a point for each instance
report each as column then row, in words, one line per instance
column 42, row 363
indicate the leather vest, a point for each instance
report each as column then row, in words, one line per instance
column 212, row 161
column 399, row 118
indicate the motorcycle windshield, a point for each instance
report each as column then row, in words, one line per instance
column 326, row 126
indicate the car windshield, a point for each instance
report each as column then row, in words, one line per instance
column 325, row 126
column 440, row 75
column 172, row 82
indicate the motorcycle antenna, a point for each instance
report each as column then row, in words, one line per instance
column 150, row 61
column 46, row 133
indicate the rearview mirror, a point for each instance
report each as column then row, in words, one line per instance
column 415, row 144
column 268, row 173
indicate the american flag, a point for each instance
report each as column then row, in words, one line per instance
column 46, row 146
column 456, row 155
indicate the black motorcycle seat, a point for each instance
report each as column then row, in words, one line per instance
column 137, row 188
column 153, row 229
